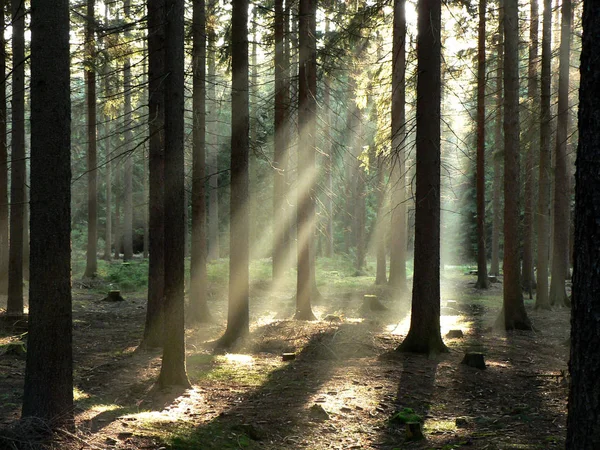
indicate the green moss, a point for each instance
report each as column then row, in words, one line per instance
column 405, row 415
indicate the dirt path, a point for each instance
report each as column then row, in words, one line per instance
column 340, row 392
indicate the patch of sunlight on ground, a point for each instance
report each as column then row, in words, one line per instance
column 447, row 323
column 229, row 368
column 401, row 328
column 457, row 322
column 79, row 395
column 265, row 319
column 343, row 397
column 104, row 408
column 432, row 426
column 234, row 358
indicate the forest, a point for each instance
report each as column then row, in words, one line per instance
column 368, row 224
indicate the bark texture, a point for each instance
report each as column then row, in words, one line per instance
column 172, row 371
column 513, row 315
column 154, row 325
column 91, row 266
column 482, row 274
column 424, row 335
column 280, row 217
column 499, row 146
column 543, row 218
column 3, row 162
column 307, row 93
column 48, row 392
column 14, row 303
column 528, row 276
column 558, row 293
column 238, row 314
column 128, row 136
column 583, row 432
column 198, row 305
column 398, row 168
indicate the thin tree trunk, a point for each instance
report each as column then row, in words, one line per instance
column 558, row 294
column 328, row 159
column 3, row 162
column 107, row 152
column 424, row 335
column 198, row 305
column 542, row 300
column 280, row 218
column 238, row 314
column 307, row 90
column 48, row 389
column 90, row 84
column 128, row 136
column 172, row 371
column 118, row 192
column 212, row 147
column 18, row 169
column 380, row 234
column 499, row 144
column 482, row 275
column 513, row 315
column 528, row 276
column 398, row 175
column 145, row 197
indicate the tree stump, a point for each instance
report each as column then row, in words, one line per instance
column 474, row 359
column 372, row 303
column 454, row 334
column 114, row 296
column 288, row 356
column 414, row 431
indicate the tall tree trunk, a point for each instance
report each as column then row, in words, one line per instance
column 128, row 135
column 198, row 305
column 3, row 162
column 482, row 274
column 558, row 293
column 154, row 326
column 542, row 300
column 26, row 230
column 380, row 234
column 499, row 145
column 424, row 335
column 48, row 391
column 172, row 371
column 238, row 314
column 280, row 218
column 212, row 146
column 307, row 93
column 397, row 175
column 528, row 276
column 108, row 155
column 583, row 432
column 118, row 231
column 90, row 89
column 17, row 178
column 328, row 159
column 513, row 315
column 145, row 193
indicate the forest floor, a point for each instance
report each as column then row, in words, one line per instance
column 344, row 389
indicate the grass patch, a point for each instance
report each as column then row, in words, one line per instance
column 238, row 369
